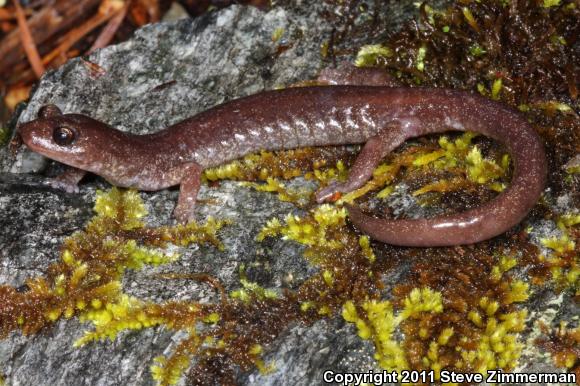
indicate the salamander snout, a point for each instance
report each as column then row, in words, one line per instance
column 56, row 135
column 73, row 139
column 50, row 129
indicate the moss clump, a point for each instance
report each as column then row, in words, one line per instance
column 563, row 262
column 463, row 327
column 367, row 55
column 563, row 344
column 284, row 194
column 87, row 280
column 312, row 231
column 464, row 161
column 251, row 290
column 220, row 337
column 456, row 165
column 271, row 165
column 481, row 45
column 4, row 135
column 471, row 323
column 378, row 323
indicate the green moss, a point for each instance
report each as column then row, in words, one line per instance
column 168, row 371
column 559, row 244
column 250, row 290
column 496, row 88
column 563, row 260
column 284, row 194
column 87, row 281
column 461, row 155
column 422, row 300
column 378, row 323
column 498, row 346
column 312, row 230
column 369, row 55
column 420, row 60
column 551, row 3
column 125, row 313
column 4, row 136
column 365, row 244
column 568, row 220
column 382, row 175
column 267, row 165
column 550, row 106
column 277, row 34
column 470, row 18
column 477, row 50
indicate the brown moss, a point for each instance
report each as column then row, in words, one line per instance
column 87, row 278
column 259, row 320
column 530, row 48
column 564, row 345
column 464, row 276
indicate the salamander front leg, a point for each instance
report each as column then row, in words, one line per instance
column 188, row 189
column 68, row 180
column 373, row 151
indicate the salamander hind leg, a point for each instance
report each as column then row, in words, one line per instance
column 189, row 187
column 373, row 151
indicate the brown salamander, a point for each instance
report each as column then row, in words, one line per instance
column 381, row 117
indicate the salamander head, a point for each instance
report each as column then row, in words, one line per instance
column 72, row 139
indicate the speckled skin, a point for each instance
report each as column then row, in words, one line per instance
column 381, row 117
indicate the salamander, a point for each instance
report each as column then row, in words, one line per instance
column 381, row 117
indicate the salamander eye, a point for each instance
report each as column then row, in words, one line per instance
column 63, row 135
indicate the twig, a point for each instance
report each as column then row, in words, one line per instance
column 110, row 29
column 28, row 41
column 75, row 35
column 45, row 25
column 9, row 15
